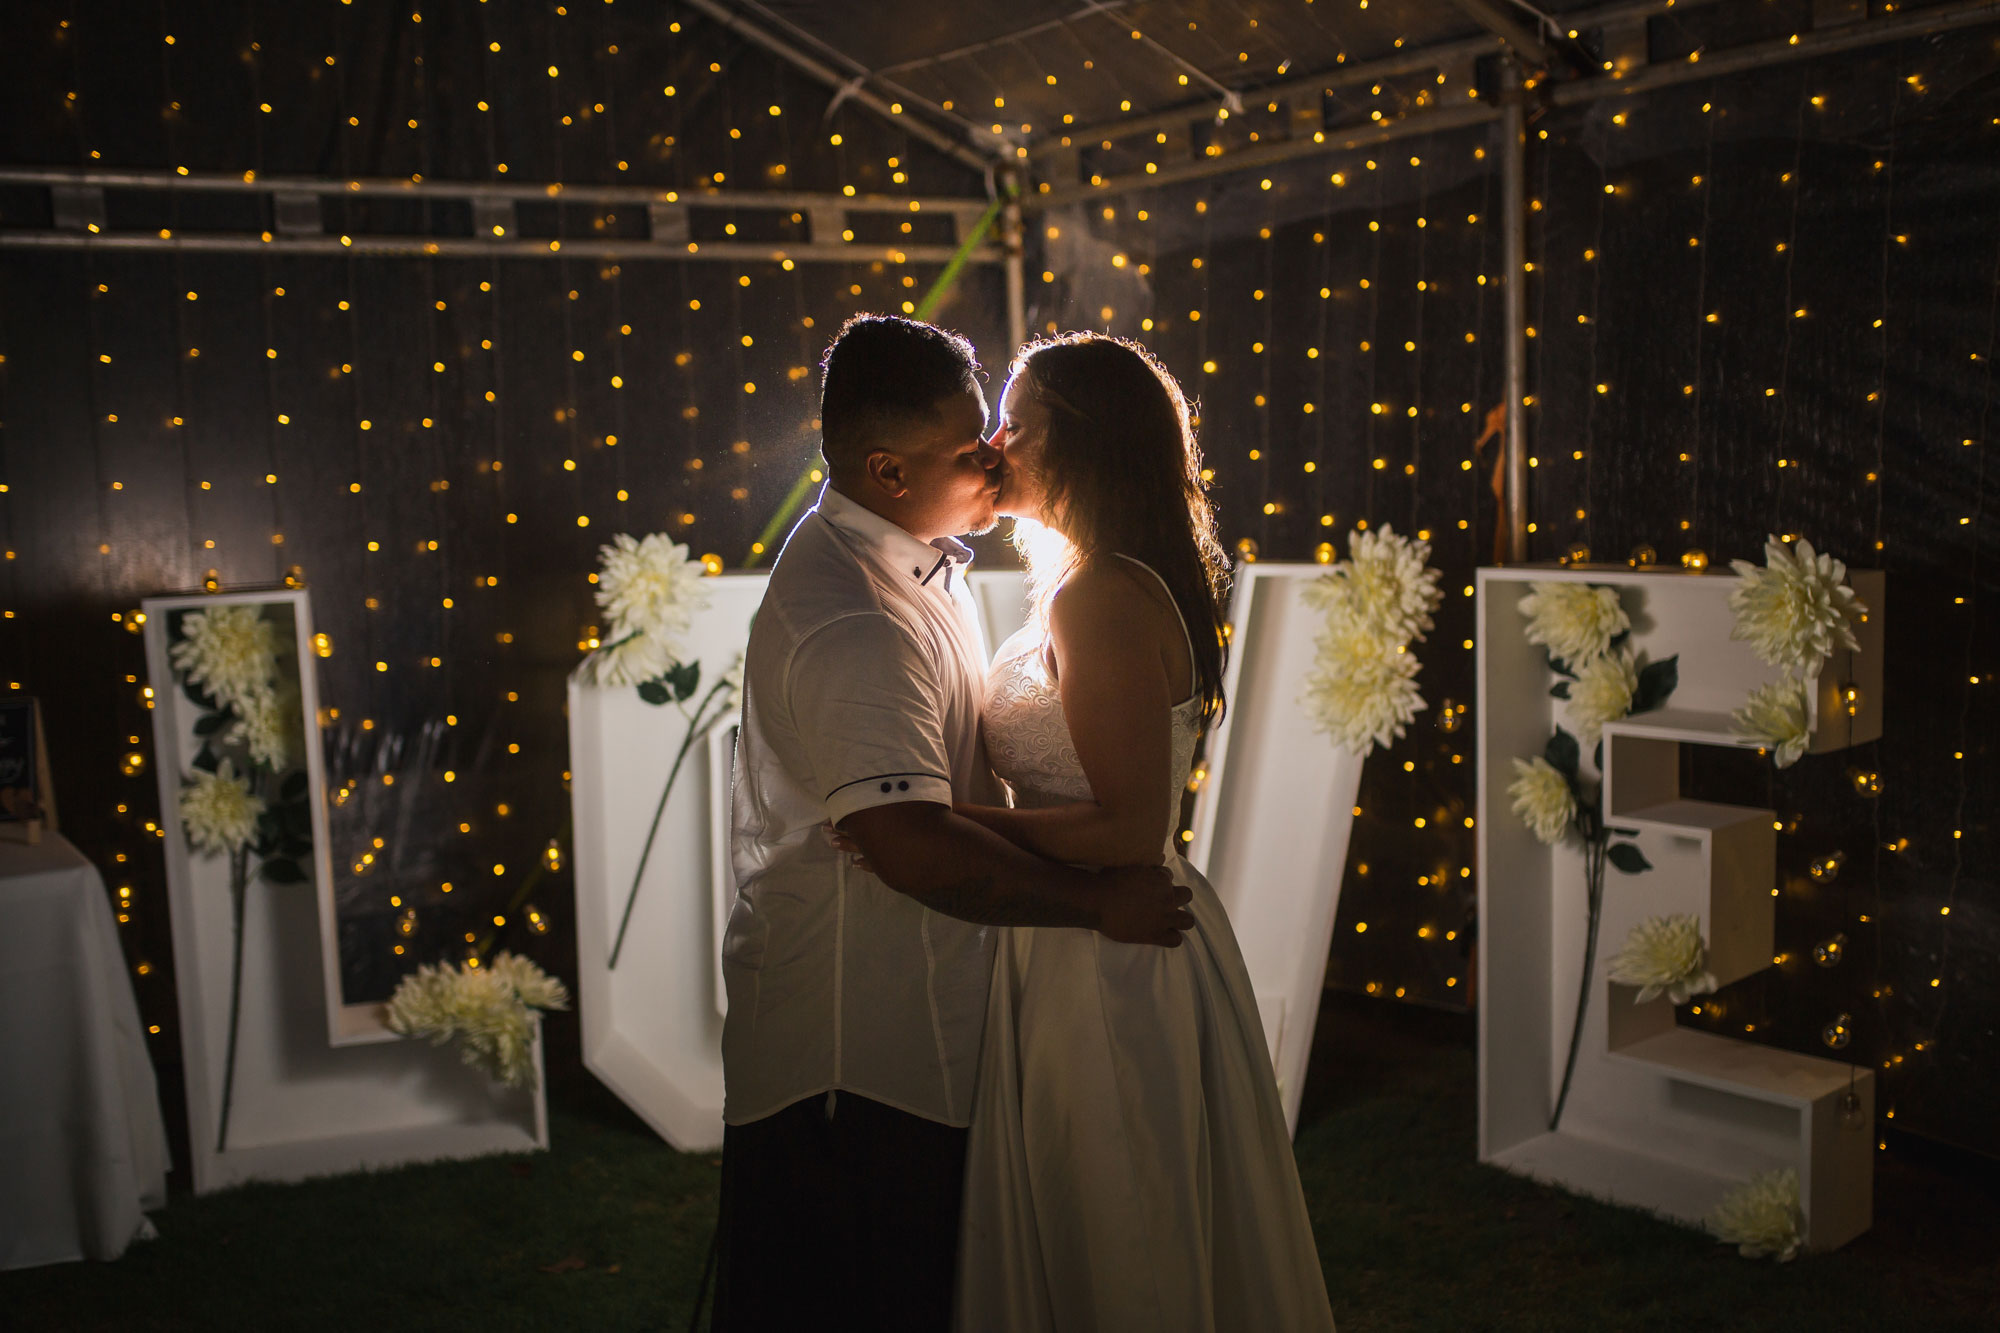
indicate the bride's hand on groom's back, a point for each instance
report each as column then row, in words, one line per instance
column 1143, row 905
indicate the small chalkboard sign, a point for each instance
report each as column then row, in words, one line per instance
column 27, row 799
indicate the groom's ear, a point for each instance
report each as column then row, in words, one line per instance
column 886, row 476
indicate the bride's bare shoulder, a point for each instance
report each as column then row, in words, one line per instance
column 1109, row 598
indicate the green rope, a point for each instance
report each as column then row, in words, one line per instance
column 932, row 299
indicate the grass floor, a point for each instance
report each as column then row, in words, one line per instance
column 610, row 1228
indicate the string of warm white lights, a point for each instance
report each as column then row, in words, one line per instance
column 1878, row 846
column 1414, row 345
column 1697, row 434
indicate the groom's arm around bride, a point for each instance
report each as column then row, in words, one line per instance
column 954, row 866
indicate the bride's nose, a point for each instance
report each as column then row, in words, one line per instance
column 989, row 452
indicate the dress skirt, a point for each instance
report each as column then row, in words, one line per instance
column 1129, row 1165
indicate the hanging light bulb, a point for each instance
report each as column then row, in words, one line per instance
column 295, row 577
column 1577, row 554
column 1694, row 559
column 1449, row 719
column 1827, row 868
column 552, row 856
column 1323, row 553
column 1247, row 549
column 1838, row 1032
column 1867, row 782
column 406, row 922
column 1642, row 554
column 538, row 924
column 1828, row 952
column 212, row 581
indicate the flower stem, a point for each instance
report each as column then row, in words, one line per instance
column 696, row 728
column 239, row 875
column 1593, row 862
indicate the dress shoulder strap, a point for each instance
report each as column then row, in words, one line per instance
column 1185, row 635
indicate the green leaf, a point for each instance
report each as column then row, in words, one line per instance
column 1559, row 690
column 281, row 871
column 1628, row 858
column 1597, row 756
column 293, row 788
column 655, row 693
column 295, row 848
column 206, row 760
column 1557, row 665
column 1656, row 682
column 1561, row 752
column 210, row 723
column 295, row 819
column 684, row 678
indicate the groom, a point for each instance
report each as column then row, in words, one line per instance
column 857, row 999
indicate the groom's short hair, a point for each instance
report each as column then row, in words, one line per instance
column 883, row 373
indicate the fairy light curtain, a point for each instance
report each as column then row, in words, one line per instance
column 1760, row 304
column 436, row 447
column 1338, row 318
column 1742, row 354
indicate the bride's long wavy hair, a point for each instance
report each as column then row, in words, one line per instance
column 1122, row 472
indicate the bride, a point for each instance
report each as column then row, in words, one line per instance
column 1129, row 1165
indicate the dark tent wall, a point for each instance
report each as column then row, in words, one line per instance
column 1346, row 354
column 1762, row 304
column 423, row 441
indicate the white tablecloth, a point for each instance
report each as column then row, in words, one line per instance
column 83, row 1150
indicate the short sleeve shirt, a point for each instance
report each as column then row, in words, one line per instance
column 862, row 686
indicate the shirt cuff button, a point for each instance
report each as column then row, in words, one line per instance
column 885, row 786
column 902, row 786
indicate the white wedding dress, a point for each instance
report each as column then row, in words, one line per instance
column 1129, row 1166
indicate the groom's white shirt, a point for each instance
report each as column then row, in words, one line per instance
column 862, row 687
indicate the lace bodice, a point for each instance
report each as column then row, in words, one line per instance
column 1027, row 732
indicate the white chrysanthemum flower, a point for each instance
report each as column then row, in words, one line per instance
column 1542, row 798
column 1383, row 587
column 628, row 661
column 651, row 586
column 219, row 810
column 1602, row 692
column 484, row 1010
column 1797, row 609
column 1775, row 717
column 1574, row 621
column 1665, row 955
column 1762, row 1216
column 266, row 725
column 229, row 651
column 1362, row 693
column 534, row 987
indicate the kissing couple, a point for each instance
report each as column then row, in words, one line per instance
column 992, row 1058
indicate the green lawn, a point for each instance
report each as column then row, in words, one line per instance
column 609, row 1230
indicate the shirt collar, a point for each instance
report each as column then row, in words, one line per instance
column 930, row 564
